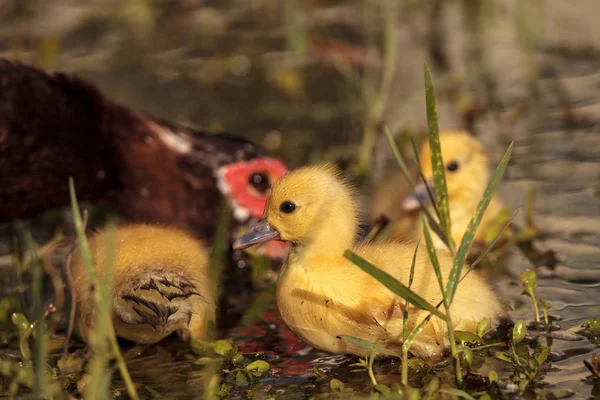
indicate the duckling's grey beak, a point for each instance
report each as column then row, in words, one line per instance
column 411, row 202
column 260, row 233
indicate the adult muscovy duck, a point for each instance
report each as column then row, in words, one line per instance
column 53, row 126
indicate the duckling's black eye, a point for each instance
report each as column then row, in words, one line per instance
column 260, row 182
column 287, row 207
column 452, row 166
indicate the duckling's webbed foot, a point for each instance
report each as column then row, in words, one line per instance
column 156, row 306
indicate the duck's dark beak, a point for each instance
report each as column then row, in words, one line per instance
column 260, row 233
column 411, row 202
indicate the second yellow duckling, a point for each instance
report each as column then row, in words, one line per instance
column 467, row 176
column 321, row 295
column 160, row 284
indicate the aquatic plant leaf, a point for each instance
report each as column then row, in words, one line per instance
column 519, row 331
column 200, row 347
column 482, row 326
column 468, row 355
column 336, row 385
column 222, row 347
column 592, row 325
column 20, row 322
column 393, row 284
column 238, row 358
column 529, row 281
column 258, row 366
column 467, row 337
column 437, row 162
column 467, row 240
column 542, row 355
column 501, row 355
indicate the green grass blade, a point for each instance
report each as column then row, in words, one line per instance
column 103, row 333
column 402, row 164
column 437, row 162
column 429, row 192
column 398, row 157
column 40, row 343
column 407, row 344
column 489, row 246
column 79, row 230
column 469, row 236
column 410, row 281
column 393, row 284
column 433, row 258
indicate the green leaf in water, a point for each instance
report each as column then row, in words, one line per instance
column 222, row 347
column 393, row 284
column 482, row 326
column 541, row 356
column 336, row 385
column 467, row 337
column 500, row 355
column 592, row 325
column 529, row 281
column 240, row 378
column 469, row 236
column 200, row 347
column 519, row 331
column 20, row 322
column 468, row 355
column 258, row 366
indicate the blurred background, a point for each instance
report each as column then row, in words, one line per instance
column 317, row 80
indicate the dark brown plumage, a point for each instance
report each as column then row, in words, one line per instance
column 56, row 126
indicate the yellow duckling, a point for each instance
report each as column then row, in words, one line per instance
column 321, row 295
column 467, row 176
column 160, row 284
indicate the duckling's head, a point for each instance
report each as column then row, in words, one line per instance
column 467, row 168
column 307, row 205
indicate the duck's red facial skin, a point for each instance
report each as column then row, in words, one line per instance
column 247, row 184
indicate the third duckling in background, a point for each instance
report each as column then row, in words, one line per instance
column 467, row 176
column 321, row 295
